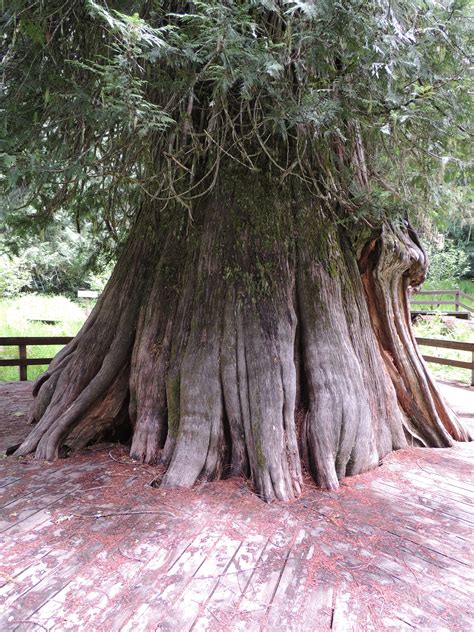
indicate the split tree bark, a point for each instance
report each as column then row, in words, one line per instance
column 215, row 335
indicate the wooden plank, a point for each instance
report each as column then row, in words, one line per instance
column 457, row 294
column 399, row 564
column 406, row 525
column 432, row 312
column 289, row 597
column 445, row 344
column 420, row 618
column 87, row 294
column 14, row 341
column 456, row 460
column 447, row 570
column 317, row 606
column 164, row 578
column 263, row 584
column 224, row 601
column 7, row 500
column 24, row 362
column 69, row 565
column 187, row 608
column 448, row 362
column 19, row 512
column 425, row 503
column 454, row 563
column 414, row 586
column 418, row 575
column 410, row 517
column 426, row 535
column 348, row 615
column 433, row 302
column 102, row 581
column 434, row 292
column 422, row 482
column 9, row 480
column 450, row 487
column 44, row 320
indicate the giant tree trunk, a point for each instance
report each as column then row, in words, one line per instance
column 256, row 338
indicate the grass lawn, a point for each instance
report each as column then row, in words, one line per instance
column 21, row 316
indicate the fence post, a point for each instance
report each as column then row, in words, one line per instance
column 23, row 369
column 456, row 299
column 472, row 369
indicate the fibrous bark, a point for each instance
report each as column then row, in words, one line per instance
column 213, row 332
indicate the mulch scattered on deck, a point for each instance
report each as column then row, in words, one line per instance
column 87, row 544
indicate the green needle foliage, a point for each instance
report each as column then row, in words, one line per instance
column 107, row 105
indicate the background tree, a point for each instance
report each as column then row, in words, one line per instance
column 266, row 155
column 57, row 258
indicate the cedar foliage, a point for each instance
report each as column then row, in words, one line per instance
column 107, row 103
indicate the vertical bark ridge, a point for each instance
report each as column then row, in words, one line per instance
column 198, row 446
column 231, row 389
column 151, row 352
column 387, row 417
column 338, row 426
column 399, row 263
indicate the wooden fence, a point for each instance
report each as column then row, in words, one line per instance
column 458, row 302
column 449, row 344
column 22, row 343
column 23, row 362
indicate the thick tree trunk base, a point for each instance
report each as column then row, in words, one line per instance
column 210, row 335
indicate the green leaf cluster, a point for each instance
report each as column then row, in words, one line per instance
column 109, row 107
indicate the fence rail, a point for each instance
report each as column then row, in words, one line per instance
column 22, row 343
column 449, row 344
column 457, row 303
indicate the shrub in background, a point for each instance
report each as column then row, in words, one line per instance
column 448, row 263
column 14, row 276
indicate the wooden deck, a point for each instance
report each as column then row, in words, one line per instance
column 87, row 544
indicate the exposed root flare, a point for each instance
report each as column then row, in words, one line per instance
column 207, row 340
